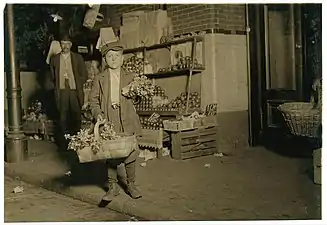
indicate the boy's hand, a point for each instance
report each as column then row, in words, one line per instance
column 100, row 119
column 84, row 107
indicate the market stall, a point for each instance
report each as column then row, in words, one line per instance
column 167, row 83
column 171, row 117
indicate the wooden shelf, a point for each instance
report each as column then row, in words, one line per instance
column 163, row 45
column 163, row 113
column 175, row 72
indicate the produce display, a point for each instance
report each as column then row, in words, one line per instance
column 35, row 112
column 135, row 64
column 179, row 103
column 183, row 63
column 166, row 38
column 140, row 86
column 85, row 138
column 169, row 37
column 148, row 124
column 154, row 122
column 88, row 84
column 192, row 34
column 160, row 102
column 86, row 111
column 148, row 103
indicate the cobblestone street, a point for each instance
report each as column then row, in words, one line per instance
column 35, row 204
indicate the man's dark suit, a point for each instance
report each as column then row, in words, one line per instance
column 69, row 100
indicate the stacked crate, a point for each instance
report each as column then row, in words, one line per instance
column 194, row 142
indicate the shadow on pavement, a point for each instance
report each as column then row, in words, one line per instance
column 80, row 174
column 281, row 142
column 285, row 144
column 93, row 173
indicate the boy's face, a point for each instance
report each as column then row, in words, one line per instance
column 114, row 59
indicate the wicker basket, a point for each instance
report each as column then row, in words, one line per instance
column 302, row 118
column 111, row 149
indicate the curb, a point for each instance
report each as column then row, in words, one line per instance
column 120, row 207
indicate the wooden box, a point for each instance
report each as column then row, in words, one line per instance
column 47, row 127
column 31, row 127
column 151, row 138
column 194, row 142
column 178, row 125
column 317, row 166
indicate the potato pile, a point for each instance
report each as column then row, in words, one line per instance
column 184, row 63
column 151, row 124
column 135, row 64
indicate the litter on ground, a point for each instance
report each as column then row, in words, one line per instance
column 18, row 189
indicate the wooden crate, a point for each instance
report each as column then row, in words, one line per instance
column 151, row 138
column 173, row 125
column 48, row 127
column 194, row 142
column 317, row 166
column 31, row 127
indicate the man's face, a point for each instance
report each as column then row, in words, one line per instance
column 114, row 59
column 66, row 46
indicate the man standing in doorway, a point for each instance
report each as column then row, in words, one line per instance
column 69, row 73
column 107, row 103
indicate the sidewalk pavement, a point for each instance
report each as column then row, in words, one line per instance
column 252, row 184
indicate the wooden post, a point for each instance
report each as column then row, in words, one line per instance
column 190, row 74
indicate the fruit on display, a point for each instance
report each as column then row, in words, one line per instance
column 135, row 64
column 141, row 86
column 177, row 104
column 147, row 123
column 192, row 34
column 35, row 112
column 166, row 38
column 149, row 103
column 183, row 63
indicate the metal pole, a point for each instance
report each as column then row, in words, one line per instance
column 16, row 149
column 248, row 30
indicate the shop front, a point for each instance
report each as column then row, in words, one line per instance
column 219, row 72
column 280, row 51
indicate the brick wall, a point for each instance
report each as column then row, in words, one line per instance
column 188, row 18
column 191, row 17
column 230, row 17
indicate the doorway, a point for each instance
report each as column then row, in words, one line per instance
column 276, row 67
